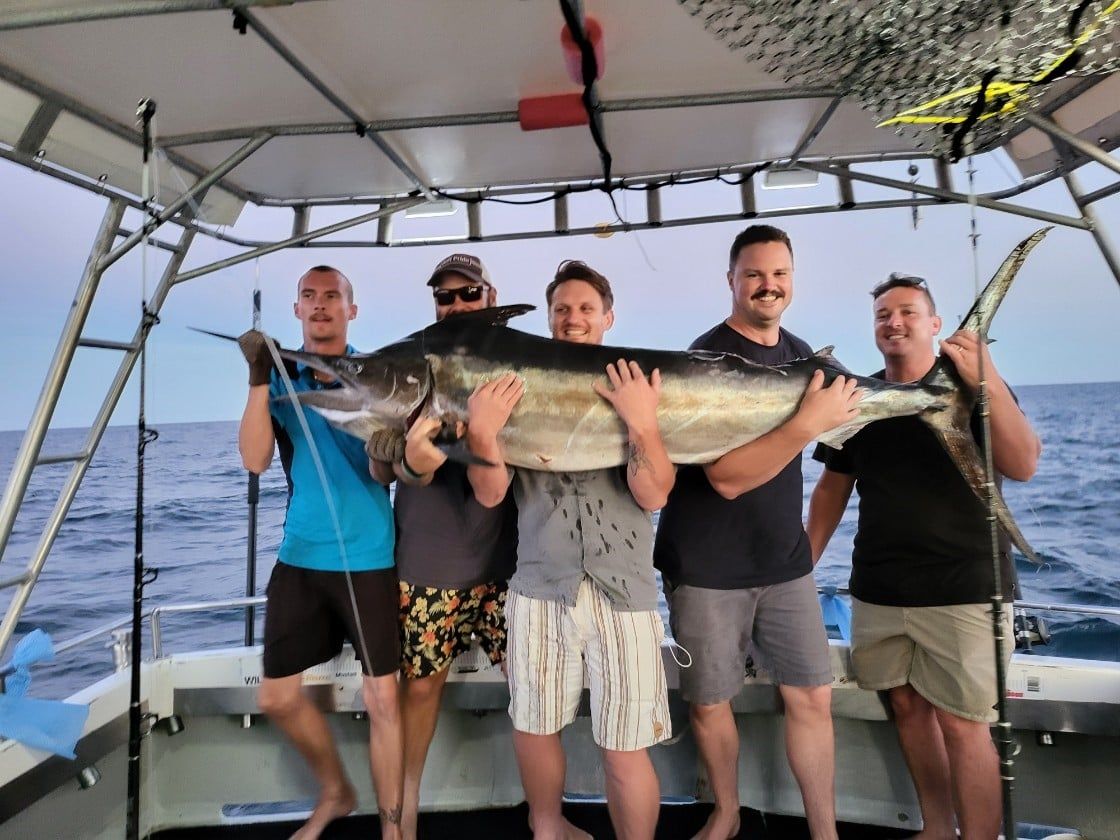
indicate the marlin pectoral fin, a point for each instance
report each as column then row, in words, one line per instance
column 460, row 453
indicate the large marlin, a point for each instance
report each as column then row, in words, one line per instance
column 710, row 402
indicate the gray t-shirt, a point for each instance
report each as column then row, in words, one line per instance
column 582, row 523
column 446, row 539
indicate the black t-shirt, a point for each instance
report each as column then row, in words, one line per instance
column 923, row 538
column 756, row 539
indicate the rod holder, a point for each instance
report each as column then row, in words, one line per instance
column 121, row 646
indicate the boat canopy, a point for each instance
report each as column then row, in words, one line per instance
column 331, row 101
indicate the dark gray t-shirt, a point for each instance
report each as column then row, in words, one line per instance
column 580, row 524
column 446, row 539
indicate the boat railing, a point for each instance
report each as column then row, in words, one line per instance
column 122, row 636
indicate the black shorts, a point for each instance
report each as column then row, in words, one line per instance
column 309, row 615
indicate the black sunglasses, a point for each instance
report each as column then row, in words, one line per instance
column 896, row 280
column 467, row 294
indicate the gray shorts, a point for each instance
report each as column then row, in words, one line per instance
column 779, row 625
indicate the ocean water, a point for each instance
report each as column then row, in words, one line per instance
column 196, row 531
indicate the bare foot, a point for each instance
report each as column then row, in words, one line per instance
column 330, row 807
column 933, row 833
column 563, row 830
column 721, row 825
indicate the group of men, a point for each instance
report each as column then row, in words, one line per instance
column 528, row 565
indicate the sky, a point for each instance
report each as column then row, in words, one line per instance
column 1057, row 324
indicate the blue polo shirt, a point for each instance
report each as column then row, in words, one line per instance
column 361, row 503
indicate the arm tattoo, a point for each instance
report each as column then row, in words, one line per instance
column 390, row 815
column 638, row 460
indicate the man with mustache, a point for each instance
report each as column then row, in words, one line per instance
column 321, row 592
column 584, row 597
column 922, row 575
column 736, row 561
column 454, row 556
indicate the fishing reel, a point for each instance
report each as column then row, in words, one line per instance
column 1030, row 630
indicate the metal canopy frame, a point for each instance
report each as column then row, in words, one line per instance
column 1073, row 151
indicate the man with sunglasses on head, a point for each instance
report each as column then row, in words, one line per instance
column 454, row 556
column 922, row 574
column 584, row 598
column 736, row 562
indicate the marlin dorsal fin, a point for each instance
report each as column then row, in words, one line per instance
column 493, row 316
column 825, row 355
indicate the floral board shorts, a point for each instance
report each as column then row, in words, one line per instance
column 438, row 624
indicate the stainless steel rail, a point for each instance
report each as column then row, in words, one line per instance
column 156, row 614
column 198, row 606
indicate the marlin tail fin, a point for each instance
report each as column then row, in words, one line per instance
column 951, row 425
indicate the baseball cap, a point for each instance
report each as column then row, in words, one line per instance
column 468, row 265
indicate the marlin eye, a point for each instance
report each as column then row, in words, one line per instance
column 353, row 367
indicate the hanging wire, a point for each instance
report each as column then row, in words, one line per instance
column 1005, row 741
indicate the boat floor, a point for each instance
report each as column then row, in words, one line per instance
column 676, row 822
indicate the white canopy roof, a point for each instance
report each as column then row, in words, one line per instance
column 438, row 85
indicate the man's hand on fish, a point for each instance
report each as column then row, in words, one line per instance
column 824, row 408
column 254, row 347
column 633, row 396
column 963, row 348
column 420, row 453
column 491, row 404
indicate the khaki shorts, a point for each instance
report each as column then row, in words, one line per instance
column 946, row 653
column 549, row 648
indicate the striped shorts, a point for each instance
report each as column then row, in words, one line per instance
column 549, row 648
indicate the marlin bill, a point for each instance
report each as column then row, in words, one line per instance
column 710, row 403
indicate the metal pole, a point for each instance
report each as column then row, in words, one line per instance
column 641, row 103
column 80, row 13
column 202, row 185
column 360, row 123
column 947, row 195
column 1104, row 244
column 1056, row 132
column 815, row 130
column 56, row 375
column 93, row 439
column 386, row 210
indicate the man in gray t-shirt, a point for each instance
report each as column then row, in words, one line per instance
column 453, row 555
column 583, row 598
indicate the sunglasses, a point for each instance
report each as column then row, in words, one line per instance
column 896, row 280
column 467, row 294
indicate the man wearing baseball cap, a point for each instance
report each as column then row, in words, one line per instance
column 454, row 556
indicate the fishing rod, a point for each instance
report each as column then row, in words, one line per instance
column 141, row 576
column 1005, row 741
column 253, row 495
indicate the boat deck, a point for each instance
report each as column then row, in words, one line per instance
column 677, row 822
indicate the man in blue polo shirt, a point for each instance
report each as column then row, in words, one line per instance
column 326, row 589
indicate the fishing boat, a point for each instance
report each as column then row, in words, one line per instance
column 373, row 108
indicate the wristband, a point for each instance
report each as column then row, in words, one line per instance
column 409, row 471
